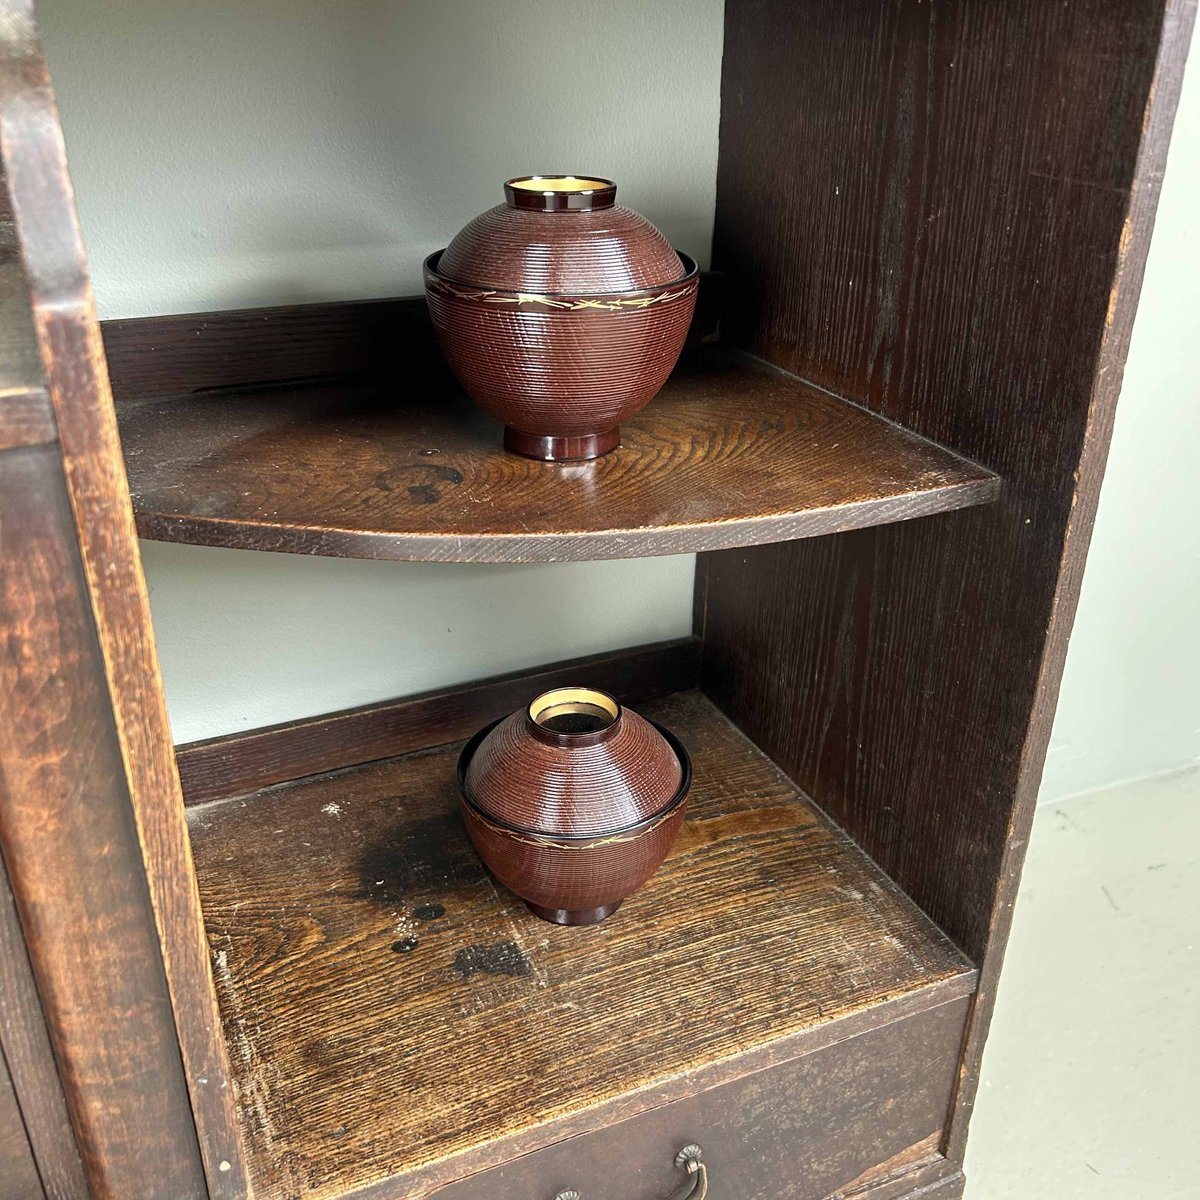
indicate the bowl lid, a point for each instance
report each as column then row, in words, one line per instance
column 573, row 763
column 561, row 235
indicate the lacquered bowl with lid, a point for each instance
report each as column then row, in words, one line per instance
column 573, row 802
column 561, row 313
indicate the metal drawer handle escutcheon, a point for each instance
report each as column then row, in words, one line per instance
column 688, row 1159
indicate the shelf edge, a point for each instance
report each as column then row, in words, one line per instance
column 594, row 545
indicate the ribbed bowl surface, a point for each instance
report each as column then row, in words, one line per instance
column 606, row 250
column 573, row 790
column 584, row 876
column 564, row 366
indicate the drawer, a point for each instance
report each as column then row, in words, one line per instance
column 846, row 1120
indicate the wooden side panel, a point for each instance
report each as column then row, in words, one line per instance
column 941, row 212
column 68, row 838
column 860, row 1118
column 92, row 825
column 26, row 1049
column 18, row 1172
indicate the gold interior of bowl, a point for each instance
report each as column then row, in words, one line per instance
column 574, row 710
column 558, row 183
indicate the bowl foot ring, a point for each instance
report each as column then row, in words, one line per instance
column 561, row 449
column 575, row 916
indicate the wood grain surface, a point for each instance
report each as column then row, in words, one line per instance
column 156, row 358
column 919, row 1171
column 392, row 1011
column 1170, row 55
column 74, row 861
column 730, row 453
column 26, row 415
column 958, row 245
column 91, row 817
column 861, row 1118
column 18, row 1172
column 29, row 1057
column 951, row 1187
column 237, row 763
column 26, row 419
column 20, row 362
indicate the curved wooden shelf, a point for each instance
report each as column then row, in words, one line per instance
column 730, row 454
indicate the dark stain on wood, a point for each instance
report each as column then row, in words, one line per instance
column 418, row 857
column 502, row 958
column 405, row 945
column 429, row 912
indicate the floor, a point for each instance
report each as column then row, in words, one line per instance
column 1091, row 1079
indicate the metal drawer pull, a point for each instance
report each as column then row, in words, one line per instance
column 688, row 1159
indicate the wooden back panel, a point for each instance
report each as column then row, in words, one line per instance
column 91, row 817
column 941, row 212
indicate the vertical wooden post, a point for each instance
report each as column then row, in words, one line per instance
column 91, row 816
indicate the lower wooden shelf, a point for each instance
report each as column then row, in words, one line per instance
column 392, row 1012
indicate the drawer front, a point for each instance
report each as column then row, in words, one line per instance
column 842, row 1121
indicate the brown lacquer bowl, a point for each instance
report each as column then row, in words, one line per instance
column 573, row 802
column 561, row 313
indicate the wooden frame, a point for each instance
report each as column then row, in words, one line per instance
column 91, row 826
column 939, row 273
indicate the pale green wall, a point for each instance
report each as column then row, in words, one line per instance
column 278, row 151
column 244, row 152
column 289, row 150
column 1130, row 701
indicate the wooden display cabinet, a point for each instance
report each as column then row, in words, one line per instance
column 931, row 226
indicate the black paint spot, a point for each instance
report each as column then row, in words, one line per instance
column 429, row 912
column 504, row 958
column 424, row 493
column 426, row 857
column 449, row 474
column 405, row 945
column 339, row 1132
